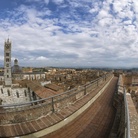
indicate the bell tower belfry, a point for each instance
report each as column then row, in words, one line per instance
column 7, row 63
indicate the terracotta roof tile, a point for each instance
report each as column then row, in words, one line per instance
column 40, row 91
column 53, row 87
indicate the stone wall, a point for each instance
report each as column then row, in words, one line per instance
column 134, row 95
column 14, row 95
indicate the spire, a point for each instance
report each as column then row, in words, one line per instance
column 8, row 39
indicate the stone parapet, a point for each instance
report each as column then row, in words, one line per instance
column 131, row 118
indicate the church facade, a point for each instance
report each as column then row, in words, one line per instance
column 11, row 92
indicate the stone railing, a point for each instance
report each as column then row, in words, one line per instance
column 131, row 117
column 128, row 117
column 17, row 113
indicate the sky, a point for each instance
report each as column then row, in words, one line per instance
column 70, row 33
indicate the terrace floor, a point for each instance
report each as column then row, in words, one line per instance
column 95, row 122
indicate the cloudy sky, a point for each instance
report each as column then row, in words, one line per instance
column 94, row 33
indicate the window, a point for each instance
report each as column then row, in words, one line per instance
column 25, row 93
column 7, row 54
column 7, row 65
column 7, row 76
column 7, row 59
column 1, row 90
column 7, row 71
column 17, row 94
column 8, row 91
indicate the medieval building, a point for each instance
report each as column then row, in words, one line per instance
column 16, row 86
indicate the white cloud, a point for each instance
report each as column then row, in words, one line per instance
column 44, row 37
column 46, row 1
column 58, row 1
column 41, row 58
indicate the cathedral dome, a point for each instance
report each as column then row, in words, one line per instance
column 16, row 68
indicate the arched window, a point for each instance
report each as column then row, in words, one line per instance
column 7, row 54
column 7, row 65
column 7, row 60
column 8, row 91
column 1, row 90
column 17, row 93
column 25, row 93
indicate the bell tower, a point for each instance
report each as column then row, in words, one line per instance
column 7, row 63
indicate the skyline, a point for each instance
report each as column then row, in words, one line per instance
column 71, row 32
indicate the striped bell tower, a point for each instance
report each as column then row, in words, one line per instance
column 7, row 63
